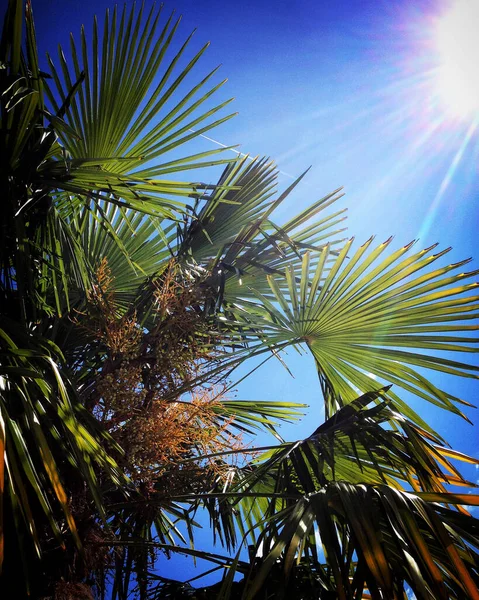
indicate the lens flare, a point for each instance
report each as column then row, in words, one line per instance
column 457, row 43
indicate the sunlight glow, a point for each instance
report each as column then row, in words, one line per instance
column 457, row 42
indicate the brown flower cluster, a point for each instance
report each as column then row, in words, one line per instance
column 120, row 333
column 158, row 440
column 149, row 395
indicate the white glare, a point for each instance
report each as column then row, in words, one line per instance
column 457, row 39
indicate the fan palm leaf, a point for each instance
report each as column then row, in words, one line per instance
column 368, row 321
column 234, row 230
column 122, row 113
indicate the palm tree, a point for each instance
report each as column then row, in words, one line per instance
column 129, row 298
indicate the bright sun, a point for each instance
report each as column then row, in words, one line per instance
column 457, row 42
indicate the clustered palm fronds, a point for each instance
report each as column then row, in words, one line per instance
column 128, row 299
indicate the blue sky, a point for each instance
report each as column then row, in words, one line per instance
column 349, row 88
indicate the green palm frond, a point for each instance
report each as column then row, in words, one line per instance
column 40, row 415
column 363, row 444
column 335, row 501
column 130, row 111
column 250, row 415
column 274, row 248
column 21, row 85
column 219, row 222
column 372, row 540
column 234, row 230
column 371, row 322
column 367, row 441
column 133, row 244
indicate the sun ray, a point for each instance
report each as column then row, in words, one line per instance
column 429, row 220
